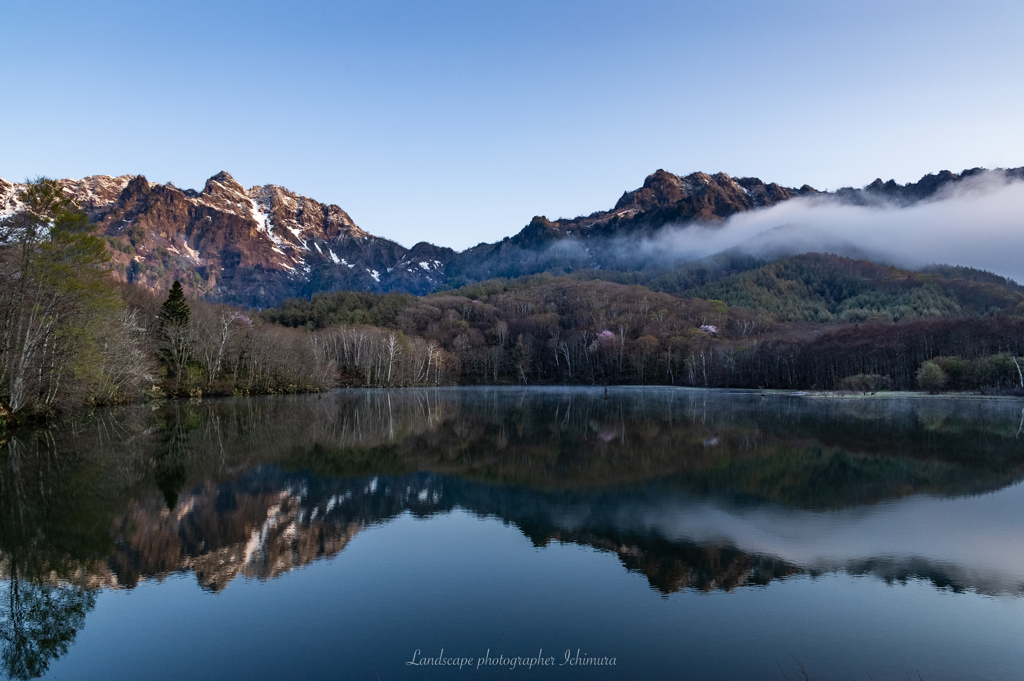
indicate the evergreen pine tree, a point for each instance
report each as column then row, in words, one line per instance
column 175, row 333
column 175, row 311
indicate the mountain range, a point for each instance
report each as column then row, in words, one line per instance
column 259, row 246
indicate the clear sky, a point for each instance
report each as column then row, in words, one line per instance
column 456, row 122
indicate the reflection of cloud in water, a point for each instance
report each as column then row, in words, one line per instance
column 976, row 542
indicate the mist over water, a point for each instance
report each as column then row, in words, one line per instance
column 978, row 223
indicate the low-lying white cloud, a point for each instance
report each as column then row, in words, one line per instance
column 978, row 223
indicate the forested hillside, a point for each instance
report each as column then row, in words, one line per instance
column 823, row 288
column 812, row 321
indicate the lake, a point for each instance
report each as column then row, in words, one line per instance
column 477, row 533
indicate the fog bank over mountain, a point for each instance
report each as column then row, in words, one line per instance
column 978, row 222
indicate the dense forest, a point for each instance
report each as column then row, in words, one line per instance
column 73, row 337
column 548, row 329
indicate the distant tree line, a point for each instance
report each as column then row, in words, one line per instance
column 554, row 330
column 819, row 287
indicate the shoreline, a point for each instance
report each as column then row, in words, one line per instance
column 10, row 422
column 895, row 395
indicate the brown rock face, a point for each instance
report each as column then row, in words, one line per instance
column 253, row 247
column 258, row 246
column 703, row 197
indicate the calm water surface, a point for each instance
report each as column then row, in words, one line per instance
column 679, row 533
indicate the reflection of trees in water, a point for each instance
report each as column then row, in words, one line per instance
column 257, row 486
column 808, row 453
column 53, row 534
column 39, row 622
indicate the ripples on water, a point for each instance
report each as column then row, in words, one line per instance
column 864, row 537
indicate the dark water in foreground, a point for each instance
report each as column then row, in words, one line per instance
column 684, row 534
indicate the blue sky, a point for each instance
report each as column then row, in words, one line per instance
column 456, row 122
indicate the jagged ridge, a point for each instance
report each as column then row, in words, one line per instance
column 258, row 246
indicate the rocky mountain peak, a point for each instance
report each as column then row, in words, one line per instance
column 700, row 196
column 93, row 194
column 221, row 182
column 136, row 186
column 659, row 188
column 96, row 192
column 225, row 192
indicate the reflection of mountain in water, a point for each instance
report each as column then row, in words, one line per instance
column 221, row 532
column 269, row 521
column 693, row 489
